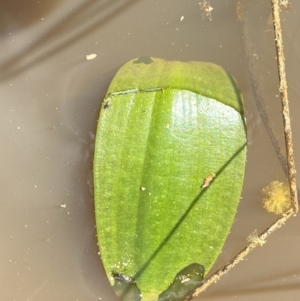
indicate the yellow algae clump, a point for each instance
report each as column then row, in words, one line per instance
column 277, row 198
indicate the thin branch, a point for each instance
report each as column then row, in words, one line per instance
column 285, row 104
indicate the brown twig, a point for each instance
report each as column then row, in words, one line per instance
column 290, row 161
column 285, row 104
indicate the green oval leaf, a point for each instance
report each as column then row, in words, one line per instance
column 168, row 172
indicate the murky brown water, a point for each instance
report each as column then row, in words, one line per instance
column 50, row 97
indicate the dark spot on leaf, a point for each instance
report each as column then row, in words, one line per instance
column 106, row 105
column 122, row 277
column 184, row 283
column 143, row 60
column 126, row 288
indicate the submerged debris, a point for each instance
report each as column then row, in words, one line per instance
column 239, row 9
column 91, row 56
column 206, row 9
column 208, row 179
column 253, row 237
column 286, row 5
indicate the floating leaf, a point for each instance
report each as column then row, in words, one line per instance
column 168, row 173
